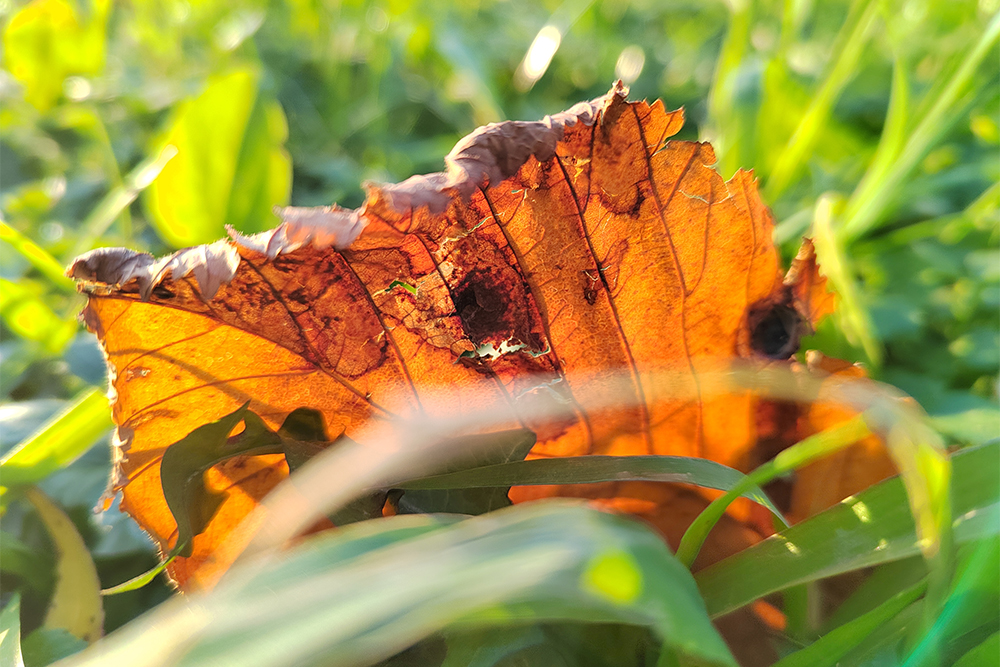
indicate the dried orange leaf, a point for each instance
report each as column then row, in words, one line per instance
column 548, row 259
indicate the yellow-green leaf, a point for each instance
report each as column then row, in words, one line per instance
column 231, row 166
column 76, row 602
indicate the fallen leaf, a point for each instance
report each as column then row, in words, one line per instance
column 547, row 259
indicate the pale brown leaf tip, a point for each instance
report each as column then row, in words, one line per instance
column 491, row 154
column 110, row 269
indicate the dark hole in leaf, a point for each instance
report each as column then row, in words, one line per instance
column 775, row 332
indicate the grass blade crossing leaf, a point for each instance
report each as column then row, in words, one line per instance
column 799, row 455
column 873, row 527
column 329, row 596
column 596, row 469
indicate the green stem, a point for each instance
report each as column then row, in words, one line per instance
column 796, row 456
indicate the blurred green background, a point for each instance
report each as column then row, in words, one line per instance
column 873, row 126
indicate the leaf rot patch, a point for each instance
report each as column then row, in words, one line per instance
column 548, row 259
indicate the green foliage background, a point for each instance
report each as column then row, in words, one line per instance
column 872, row 125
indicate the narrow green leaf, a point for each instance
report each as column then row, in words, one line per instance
column 830, row 648
column 76, row 602
column 533, row 563
column 137, row 582
column 854, row 318
column 10, row 633
column 491, row 449
column 796, row 456
column 974, row 601
column 596, row 469
column 874, row 195
column 874, row 527
column 59, row 442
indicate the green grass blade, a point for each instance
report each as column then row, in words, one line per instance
column 874, row 527
column 851, row 45
column 327, row 599
column 830, row 648
column 796, row 456
column 596, row 469
column 974, row 601
column 46, row 264
column 137, row 582
column 59, row 442
column 869, row 202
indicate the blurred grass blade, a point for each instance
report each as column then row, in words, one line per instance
column 59, row 442
column 894, row 134
column 854, row 317
column 982, row 654
column 118, row 200
column 10, row 633
column 46, row 264
column 875, row 195
column 796, row 456
column 358, row 596
column 730, row 114
column 831, row 647
column 850, row 47
column 76, row 601
column 874, row 527
column 596, row 469
column 974, row 601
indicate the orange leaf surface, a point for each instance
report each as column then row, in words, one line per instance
column 549, row 258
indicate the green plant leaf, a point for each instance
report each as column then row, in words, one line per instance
column 490, row 449
column 874, row 527
column 59, row 442
column 230, row 168
column 535, row 563
column 10, row 633
column 596, row 469
column 76, row 602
